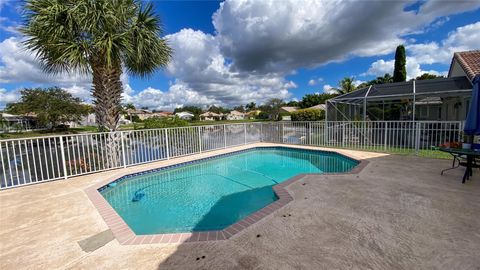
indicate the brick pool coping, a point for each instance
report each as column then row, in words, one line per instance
column 126, row 236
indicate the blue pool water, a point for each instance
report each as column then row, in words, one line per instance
column 214, row 193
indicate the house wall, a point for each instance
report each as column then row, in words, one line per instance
column 455, row 109
column 234, row 117
column 456, row 70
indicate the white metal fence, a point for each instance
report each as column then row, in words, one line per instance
column 32, row 160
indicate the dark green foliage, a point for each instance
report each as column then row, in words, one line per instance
column 251, row 106
column 263, row 115
column 239, row 108
column 164, row 122
column 272, row 108
column 428, row 76
column 218, row 109
column 308, row 115
column 52, row 106
column 310, row 100
column 400, row 71
column 293, row 103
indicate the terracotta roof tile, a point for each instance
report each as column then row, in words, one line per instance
column 469, row 61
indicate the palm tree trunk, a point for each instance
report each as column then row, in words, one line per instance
column 107, row 92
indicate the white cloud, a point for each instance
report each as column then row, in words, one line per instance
column 380, row 67
column 7, row 97
column 265, row 36
column 461, row 39
column 20, row 65
column 315, row 81
column 199, row 66
column 328, row 89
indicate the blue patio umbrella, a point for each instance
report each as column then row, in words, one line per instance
column 472, row 124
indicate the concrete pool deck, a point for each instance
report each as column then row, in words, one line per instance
column 397, row 213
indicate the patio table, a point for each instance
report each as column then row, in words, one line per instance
column 469, row 153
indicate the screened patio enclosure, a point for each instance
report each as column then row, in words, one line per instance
column 444, row 99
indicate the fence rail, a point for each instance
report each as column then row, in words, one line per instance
column 33, row 160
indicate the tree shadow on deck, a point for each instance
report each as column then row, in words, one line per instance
column 392, row 192
column 218, row 218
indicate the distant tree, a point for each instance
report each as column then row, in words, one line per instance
column 144, row 108
column 427, row 76
column 272, row 108
column 163, row 122
column 310, row 100
column 52, row 106
column 239, row 108
column 292, row 103
column 129, row 106
column 345, row 86
column 192, row 109
column 101, row 38
column 387, row 78
column 400, row 70
column 218, row 109
column 251, row 106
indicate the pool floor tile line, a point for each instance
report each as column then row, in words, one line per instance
column 125, row 235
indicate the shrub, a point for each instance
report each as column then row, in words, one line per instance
column 308, row 115
column 164, row 122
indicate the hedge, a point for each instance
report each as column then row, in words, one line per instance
column 308, row 115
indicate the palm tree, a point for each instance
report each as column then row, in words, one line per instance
column 98, row 37
column 346, row 85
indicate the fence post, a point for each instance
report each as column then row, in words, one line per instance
column 385, row 136
column 325, row 133
column 225, row 135
column 245, row 133
column 166, row 143
column 417, row 137
column 199, row 139
column 283, row 132
column 124, row 158
column 261, row 132
column 64, row 162
column 309, row 133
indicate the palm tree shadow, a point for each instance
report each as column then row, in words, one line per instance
column 227, row 211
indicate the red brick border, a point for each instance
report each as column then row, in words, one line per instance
column 126, row 236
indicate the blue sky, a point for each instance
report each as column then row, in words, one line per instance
column 240, row 51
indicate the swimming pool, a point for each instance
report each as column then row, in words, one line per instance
column 211, row 194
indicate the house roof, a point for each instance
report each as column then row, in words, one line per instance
column 184, row 113
column 454, row 86
column 236, row 113
column 210, row 114
column 318, row 107
column 289, row 109
column 469, row 61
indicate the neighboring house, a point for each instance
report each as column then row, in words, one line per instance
column 443, row 99
column 141, row 113
column 11, row 122
column 144, row 114
column 287, row 110
column 185, row 115
column 235, row 115
column 210, row 116
column 253, row 114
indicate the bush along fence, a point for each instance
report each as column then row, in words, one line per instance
column 33, row 160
